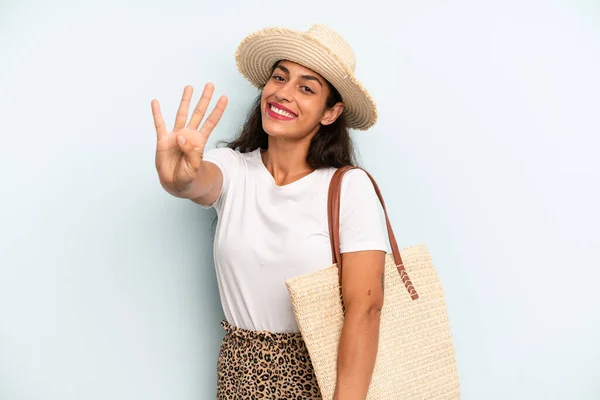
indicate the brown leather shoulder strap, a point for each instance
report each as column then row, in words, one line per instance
column 333, row 217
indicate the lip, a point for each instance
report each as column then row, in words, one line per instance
column 281, row 108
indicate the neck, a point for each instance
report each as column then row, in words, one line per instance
column 286, row 160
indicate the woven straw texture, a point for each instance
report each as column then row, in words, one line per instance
column 320, row 49
column 415, row 358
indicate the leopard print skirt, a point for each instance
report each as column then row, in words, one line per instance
column 264, row 365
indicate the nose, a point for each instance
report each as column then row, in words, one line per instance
column 284, row 92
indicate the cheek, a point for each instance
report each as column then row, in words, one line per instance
column 312, row 109
column 269, row 89
column 263, row 98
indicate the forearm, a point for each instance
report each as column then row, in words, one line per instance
column 190, row 191
column 357, row 353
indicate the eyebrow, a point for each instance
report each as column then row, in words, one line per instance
column 306, row 77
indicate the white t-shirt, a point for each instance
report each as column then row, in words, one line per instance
column 267, row 233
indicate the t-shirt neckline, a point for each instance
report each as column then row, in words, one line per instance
column 290, row 186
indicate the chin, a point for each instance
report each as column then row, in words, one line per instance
column 278, row 129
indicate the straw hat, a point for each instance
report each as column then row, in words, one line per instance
column 320, row 49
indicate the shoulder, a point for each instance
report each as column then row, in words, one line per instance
column 227, row 156
column 362, row 224
column 218, row 153
column 356, row 175
column 358, row 192
column 356, row 181
column 224, row 152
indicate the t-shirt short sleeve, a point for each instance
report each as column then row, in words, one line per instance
column 362, row 221
column 227, row 160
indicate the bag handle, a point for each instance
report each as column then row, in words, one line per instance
column 333, row 219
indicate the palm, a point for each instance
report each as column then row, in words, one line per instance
column 177, row 160
column 171, row 161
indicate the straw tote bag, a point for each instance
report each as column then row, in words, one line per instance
column 415, row 357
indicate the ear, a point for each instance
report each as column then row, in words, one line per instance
column 332, row 114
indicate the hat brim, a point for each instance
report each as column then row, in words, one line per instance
column 258, row 52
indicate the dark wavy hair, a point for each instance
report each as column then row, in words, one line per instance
column 331, row 147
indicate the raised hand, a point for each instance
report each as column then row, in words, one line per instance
column 179, row 153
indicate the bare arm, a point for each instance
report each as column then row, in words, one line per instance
column 210, row 178
column 204, row 189
column 362, row 290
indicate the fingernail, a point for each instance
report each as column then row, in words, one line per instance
column 181, row 140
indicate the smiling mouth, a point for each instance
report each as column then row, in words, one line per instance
column 280, row 112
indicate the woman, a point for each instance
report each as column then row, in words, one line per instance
column 269, row 188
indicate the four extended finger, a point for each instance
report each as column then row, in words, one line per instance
column 202, row 105
column 214, row 117
column 184, row 105
column 159, row 123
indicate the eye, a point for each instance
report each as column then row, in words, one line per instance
column 306, row 89
column 277, row 78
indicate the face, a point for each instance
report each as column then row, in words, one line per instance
column 293, row 102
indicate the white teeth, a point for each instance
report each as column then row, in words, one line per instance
column 281, row 112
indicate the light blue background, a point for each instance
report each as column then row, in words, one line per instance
column 486, row 150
